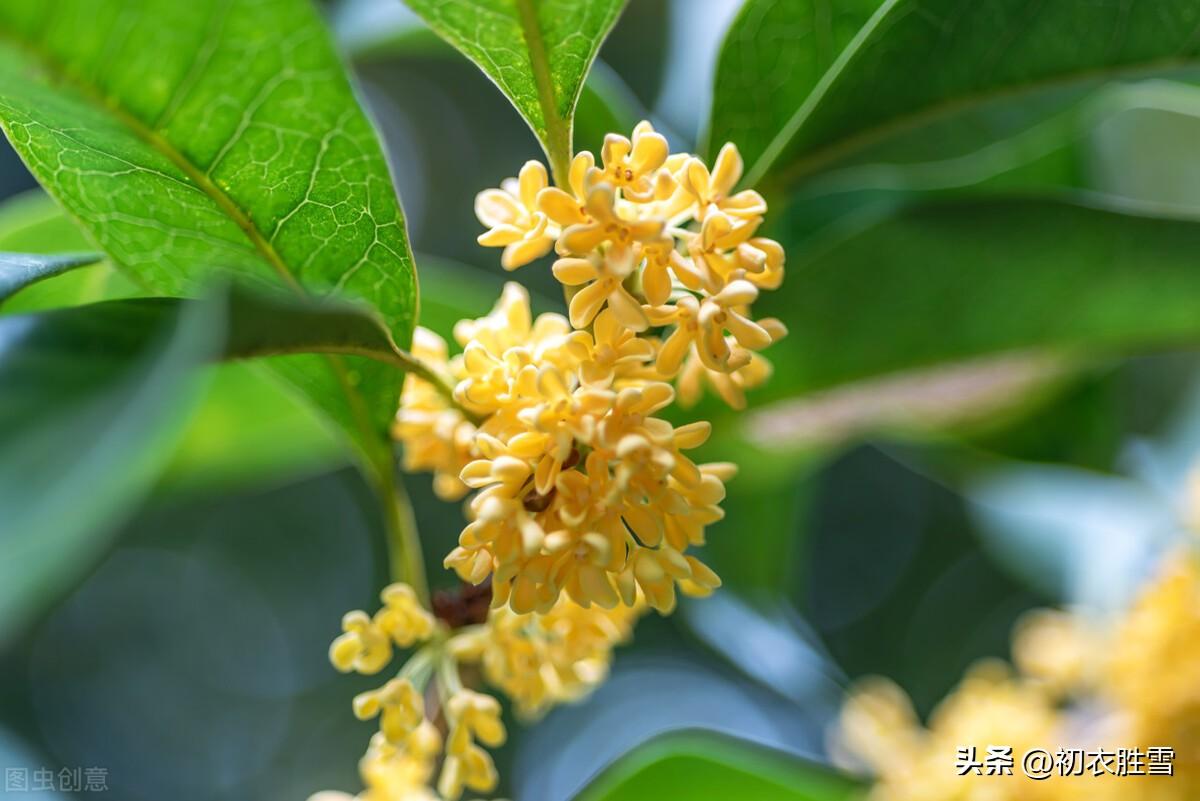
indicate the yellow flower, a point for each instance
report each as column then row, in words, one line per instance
column 613, row 353
column 471, row 716
column 391, row 773
column 1131, row 680
column 703, row 324
column 605, row 225
column 633, row 166
column 715, row 189
column 513, row 219
column 878, row 728
column 1152, row 670
column 398, row 705
column 542, row 660
column 731, row 387
column 366, row 644
column 601, row 282
column 659, row 240
column 436, row 437
column 402, row 617
column 1057, row 649
column 364, row 647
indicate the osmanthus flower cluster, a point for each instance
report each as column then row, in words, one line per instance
column 427, row 716
column 584, row 503
column 1079, row 683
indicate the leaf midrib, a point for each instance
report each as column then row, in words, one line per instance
column 820, row 157
column 539, row 64
column 163, row 146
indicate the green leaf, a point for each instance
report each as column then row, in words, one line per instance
column 250, row 427
column 19, row 270
column 251, row 430
column 607, row 105
column 255, row 325
column 33, row 223
column 92, row 402
column 191, row 138
column 917, row 64
column 537, row 51
column 774, row 54
column 700, row 766
column 941, row 283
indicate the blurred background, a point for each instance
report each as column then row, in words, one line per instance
column 898, row 529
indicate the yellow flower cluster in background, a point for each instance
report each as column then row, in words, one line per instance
column 586, row 503
column 1133, row 682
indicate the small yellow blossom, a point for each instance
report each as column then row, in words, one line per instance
column 613, row 355
column 366, row 644
column 471, row 716
column 633, row 166
column 878, row 728
column 715, row 190
column 364, row 647
column 702, row 325
column 543, row 660
column 731, row 387
column 600, row 282
column 402, row 617
column 398, row 705
column 513, row 219
column 436, row 437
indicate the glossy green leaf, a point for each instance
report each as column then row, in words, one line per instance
column 941, row 283
column 915, row 65
column 91, row 406
column 19, row 270
column 195, row 137
column 702, row 766
column 537, row 51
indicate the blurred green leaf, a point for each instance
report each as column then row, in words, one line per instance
column 206, row 136
column 1142, row 144
column 19, row 270
column 915, row 64
column 607, row 105
column 700, row 766
column 943, row 282
column 257, row 324
column 251, row 430
column 773, row 57
column 250, row 427
column 91, row 404
column 33, row 223
column 537, row 51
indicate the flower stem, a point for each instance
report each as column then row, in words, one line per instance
column 404, row 545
